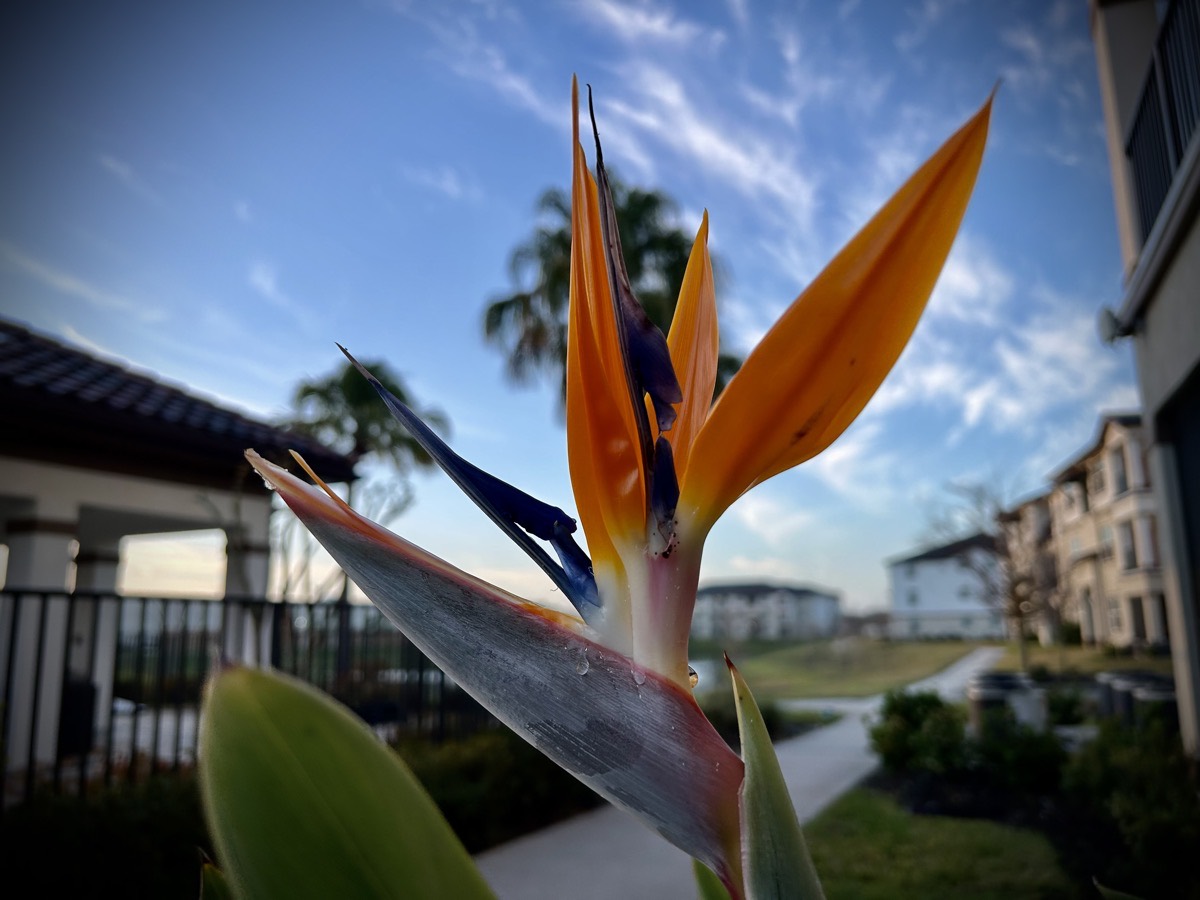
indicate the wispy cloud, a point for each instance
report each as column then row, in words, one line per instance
column 242, row 212
column 73, row 286
column 443, row 180
column 922, row 20
column 773, row 521
column 125, row 174
column 748, row 162
column 646, row 22
column 973, row 287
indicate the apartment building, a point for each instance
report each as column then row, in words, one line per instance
column 765, row 611
column 1148, row 61
column 1104, row 522
column 947, row 591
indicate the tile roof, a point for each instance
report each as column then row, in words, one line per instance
column 61, row 404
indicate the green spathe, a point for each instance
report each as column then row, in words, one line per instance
column 303, row 801
column 774, row 856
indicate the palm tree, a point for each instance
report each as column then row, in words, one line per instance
column 530, row 325
column 343, row 411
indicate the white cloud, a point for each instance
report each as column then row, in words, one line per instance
column 772, row 520
column 857, row 467
column 265, row 282
column 68, row 284
column 640, row 22
column 750, row 163
column 973, row 286
column 443, row 180
column 922, row 20
column 129, row 179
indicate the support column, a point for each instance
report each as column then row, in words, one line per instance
column 248, row 627
column 96, row 620
column 39, row 559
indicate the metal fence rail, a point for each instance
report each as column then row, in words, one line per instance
column 101, row 690
column 1168, row 111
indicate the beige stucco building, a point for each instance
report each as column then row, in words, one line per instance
column 1148, row 60
column 1104, row 522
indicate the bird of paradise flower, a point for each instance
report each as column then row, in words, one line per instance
column 654, row 463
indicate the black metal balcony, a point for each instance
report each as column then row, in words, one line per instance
column 1167, row 112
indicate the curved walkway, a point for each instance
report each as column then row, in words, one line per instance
column 606, row 854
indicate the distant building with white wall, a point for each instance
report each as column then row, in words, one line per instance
column 939, row 592
column 765, row 611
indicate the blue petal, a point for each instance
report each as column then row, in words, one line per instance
column 517, row 513
column 648, row 366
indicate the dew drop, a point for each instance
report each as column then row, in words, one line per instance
column 581, row 664
column 693, row 677
column 639, row 676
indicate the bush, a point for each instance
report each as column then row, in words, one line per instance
column 1017, row 758
column 493, row 786
column 721, row 712
column 1138, row 786
column 1065, row 706
column 919, row 732
column 1070, row 634
column 129, row 841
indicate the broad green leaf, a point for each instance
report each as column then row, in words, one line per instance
column 708, row 883
column 633, row 736
column 213, row 885
column 302, row 800
column 776, row 860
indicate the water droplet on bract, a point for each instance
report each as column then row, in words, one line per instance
column 581, row 664
column 693, row 677
column 639, row 676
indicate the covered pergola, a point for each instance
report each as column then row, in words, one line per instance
column 91, row 452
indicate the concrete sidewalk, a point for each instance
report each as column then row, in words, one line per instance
column 607, row 854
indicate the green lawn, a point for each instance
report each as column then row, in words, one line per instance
column 865, row 847
column 847, row 667
column 1081, row 660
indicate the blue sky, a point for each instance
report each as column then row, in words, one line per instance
column 218, row 192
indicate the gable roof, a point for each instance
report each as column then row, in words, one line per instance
column 756, row 589
column 1076, row 467
column 979, row 541
column 59, row 404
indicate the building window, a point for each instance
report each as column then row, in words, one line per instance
column 1096, row 479
column 1114, row 614
column 1128, row 548
column 964, row 593
column 912, row 598
column 1106, row 542
column 1116, row 460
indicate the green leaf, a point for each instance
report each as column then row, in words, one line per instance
column 303, row 801
column 774, row 854
column 213, row 885
column 709, row 884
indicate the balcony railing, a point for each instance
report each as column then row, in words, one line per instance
column 99, row 690
column 1167, row 112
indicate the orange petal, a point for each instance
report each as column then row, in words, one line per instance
column 694, row 345
column 603, row 446
column 816, row 369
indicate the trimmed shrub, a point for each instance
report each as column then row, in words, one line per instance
column 919, row 732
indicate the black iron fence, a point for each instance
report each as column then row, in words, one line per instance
column 1168, row 111
column 99, row 689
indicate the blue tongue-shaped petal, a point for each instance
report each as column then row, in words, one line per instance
column 647, row 358
column 518, row 514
